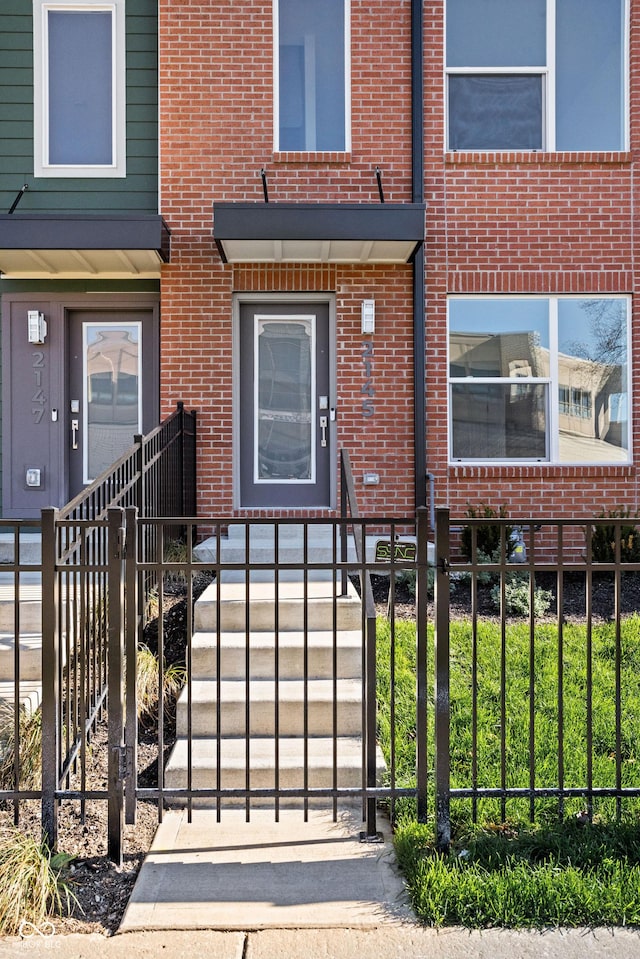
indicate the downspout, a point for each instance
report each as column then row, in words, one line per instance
column 417, row 182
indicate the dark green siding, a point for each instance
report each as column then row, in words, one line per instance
column 135, row 193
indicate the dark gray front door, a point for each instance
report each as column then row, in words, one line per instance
column 286, row 413
column 106, row 405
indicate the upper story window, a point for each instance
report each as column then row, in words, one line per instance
column 536, row 74
column 541, row 379
column 79, row 88
column 311, row 82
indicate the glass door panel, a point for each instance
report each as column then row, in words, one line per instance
column 285, row 408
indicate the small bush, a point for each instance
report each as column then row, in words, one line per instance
column 33, row 881
column 148, row 682
column 488, row 535
column 407, row 578
column 603, row 538
column 30, row 743
column 517, row 597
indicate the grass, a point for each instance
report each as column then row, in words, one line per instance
column 33, row 882
column 502, row 869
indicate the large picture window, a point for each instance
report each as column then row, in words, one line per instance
column 311, row 75
column 79, row 88
column 536, row 74
column 539, row 379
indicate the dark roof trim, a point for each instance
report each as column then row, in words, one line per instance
column 48, row 231
column 402, row 222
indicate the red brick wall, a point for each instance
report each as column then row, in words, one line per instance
column 522, row 223
column 504, row 223
column 216, row 134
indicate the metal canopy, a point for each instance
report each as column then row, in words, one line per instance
column 63, row 246
column 318, row 232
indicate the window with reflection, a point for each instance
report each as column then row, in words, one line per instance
column 539, row 379
column 536, row 74
column 311, row 75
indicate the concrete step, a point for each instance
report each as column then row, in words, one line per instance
column 262, row 762
column 318, row 707
column 262, row 546
column 290, row 603
column 30, row 695
column 290, row 646
column 262, row 765
column 29, row 550
column 30, row 648
column 30, row 596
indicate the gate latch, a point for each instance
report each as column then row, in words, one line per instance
column 121, row 543
column 119, row 754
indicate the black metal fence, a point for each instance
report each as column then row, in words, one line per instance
column 507, row 685
column 83, row 593
column 539, row 674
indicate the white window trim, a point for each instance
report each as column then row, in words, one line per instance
column 552, row 384
column 548, row 73
column 42, row 167
column 347, row 82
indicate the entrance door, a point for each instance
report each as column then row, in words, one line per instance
column 110, row 398
column 286, row 407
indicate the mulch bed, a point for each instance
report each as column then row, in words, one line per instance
column 102, row 890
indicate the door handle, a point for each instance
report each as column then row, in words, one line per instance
column 323, row 430
column 74, row 434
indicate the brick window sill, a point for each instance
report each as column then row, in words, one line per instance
column 549, row 470
column 536, row 157
column 311, row 157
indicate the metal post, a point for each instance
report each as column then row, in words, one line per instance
column 133, row 616
column 442, row 706
column 50, row 678
column 345, row 465
column 422, row 523
column 115, row 664
column 371, row 730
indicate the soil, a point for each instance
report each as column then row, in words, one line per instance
column 100, row 888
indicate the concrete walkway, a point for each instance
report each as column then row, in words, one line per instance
column 265, row 874
column 291, row 890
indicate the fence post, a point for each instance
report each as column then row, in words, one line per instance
column 138, row 441
column 115, row 664
column 50, row 678
column 422, row 525
column 132, row 616
column 442, row 706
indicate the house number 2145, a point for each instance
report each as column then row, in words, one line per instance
column 367, row 387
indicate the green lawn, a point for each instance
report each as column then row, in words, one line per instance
column 558, row 871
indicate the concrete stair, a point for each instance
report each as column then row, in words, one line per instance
column 255, row 684
column 29, row 640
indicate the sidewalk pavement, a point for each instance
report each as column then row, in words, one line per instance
column 266, row 890
column 401, row 941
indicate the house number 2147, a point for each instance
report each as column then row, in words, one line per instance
column 367, row 387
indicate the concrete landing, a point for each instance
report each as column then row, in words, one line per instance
column 261, row 875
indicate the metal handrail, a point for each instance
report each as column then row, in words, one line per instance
column 349, row 507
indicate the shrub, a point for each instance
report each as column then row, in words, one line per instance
column 488, row 535
column 517, row 597
column 33, row 881
column 603, row 538
column 30, row 746
column 407, row 578
column 148, row 682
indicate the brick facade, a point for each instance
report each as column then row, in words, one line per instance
column 496, row 223
column 216, row 63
